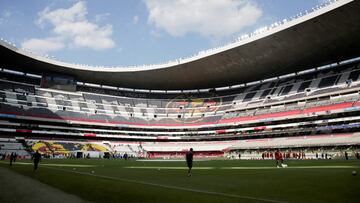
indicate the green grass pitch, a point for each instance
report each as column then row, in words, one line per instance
column 212, row 181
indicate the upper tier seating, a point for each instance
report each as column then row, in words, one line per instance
column 261, row 98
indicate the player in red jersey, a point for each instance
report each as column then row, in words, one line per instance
column 279, row 159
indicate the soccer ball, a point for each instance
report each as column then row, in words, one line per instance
column 354, row 173
column 92, row 171
column 284, row 165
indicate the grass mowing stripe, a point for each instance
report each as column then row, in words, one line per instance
column 289, row 167
column 168, row 167
column 171, row 187
column 195, row 168
column 239, row 168
column 168, row 160
column 61, row 165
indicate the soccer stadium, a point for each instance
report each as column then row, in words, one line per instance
column 121, row 134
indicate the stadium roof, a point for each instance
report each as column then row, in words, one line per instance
column 327, row 35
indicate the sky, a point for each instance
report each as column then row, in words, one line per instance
column 135, row 32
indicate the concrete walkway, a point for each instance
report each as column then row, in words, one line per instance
column 15, row 187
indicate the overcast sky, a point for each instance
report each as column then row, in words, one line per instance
column 132, row 32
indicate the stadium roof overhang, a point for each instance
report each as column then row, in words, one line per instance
column 326, row 36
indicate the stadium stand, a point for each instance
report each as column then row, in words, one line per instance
column 164, row 111
column 157, row 118
column 307, row 108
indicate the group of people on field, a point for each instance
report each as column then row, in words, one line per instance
column 189, row 159
column 36, row 157
column 12, row 157
column 8, row 156
column 287, row 155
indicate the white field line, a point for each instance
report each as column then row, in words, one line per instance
column 168, row 160
column 171, row 186
column 240, row 168
column 168, row 168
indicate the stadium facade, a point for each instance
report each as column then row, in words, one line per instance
column 294, row 84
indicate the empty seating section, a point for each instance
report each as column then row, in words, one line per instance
column 20, row 78
column 114, row 106
column 304, row 86
column 305, row 141
column 125, row 102
column 249, row 96
column 122, row 148
column 16, row 87
column 328, row 81
column 92, row 98
column 354, row 76
column 110, row 103
column 265, row 93
column 286, row 90
column 227, row 100
column 6, row 86
column 8, row 146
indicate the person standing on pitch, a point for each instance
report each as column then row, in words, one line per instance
column 14, row 158
column 189, row 160
column 37, row 158
column 11, row 158
column 279, row 159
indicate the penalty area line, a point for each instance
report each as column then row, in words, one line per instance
column 171, row 187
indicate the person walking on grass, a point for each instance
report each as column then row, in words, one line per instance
column 11, row 158
column 189, row 160
column 37, row 158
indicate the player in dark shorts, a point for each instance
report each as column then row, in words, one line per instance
column 37, row 158
column 189, row 160
column 279, row 159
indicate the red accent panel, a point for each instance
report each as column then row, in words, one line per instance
column 220, row 131
column 260, row 128
column 162, row 138
column 246, row 118
column 90, row 135
column 23, row 131
column 42, row 81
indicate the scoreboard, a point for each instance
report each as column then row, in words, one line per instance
column 57, row 81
